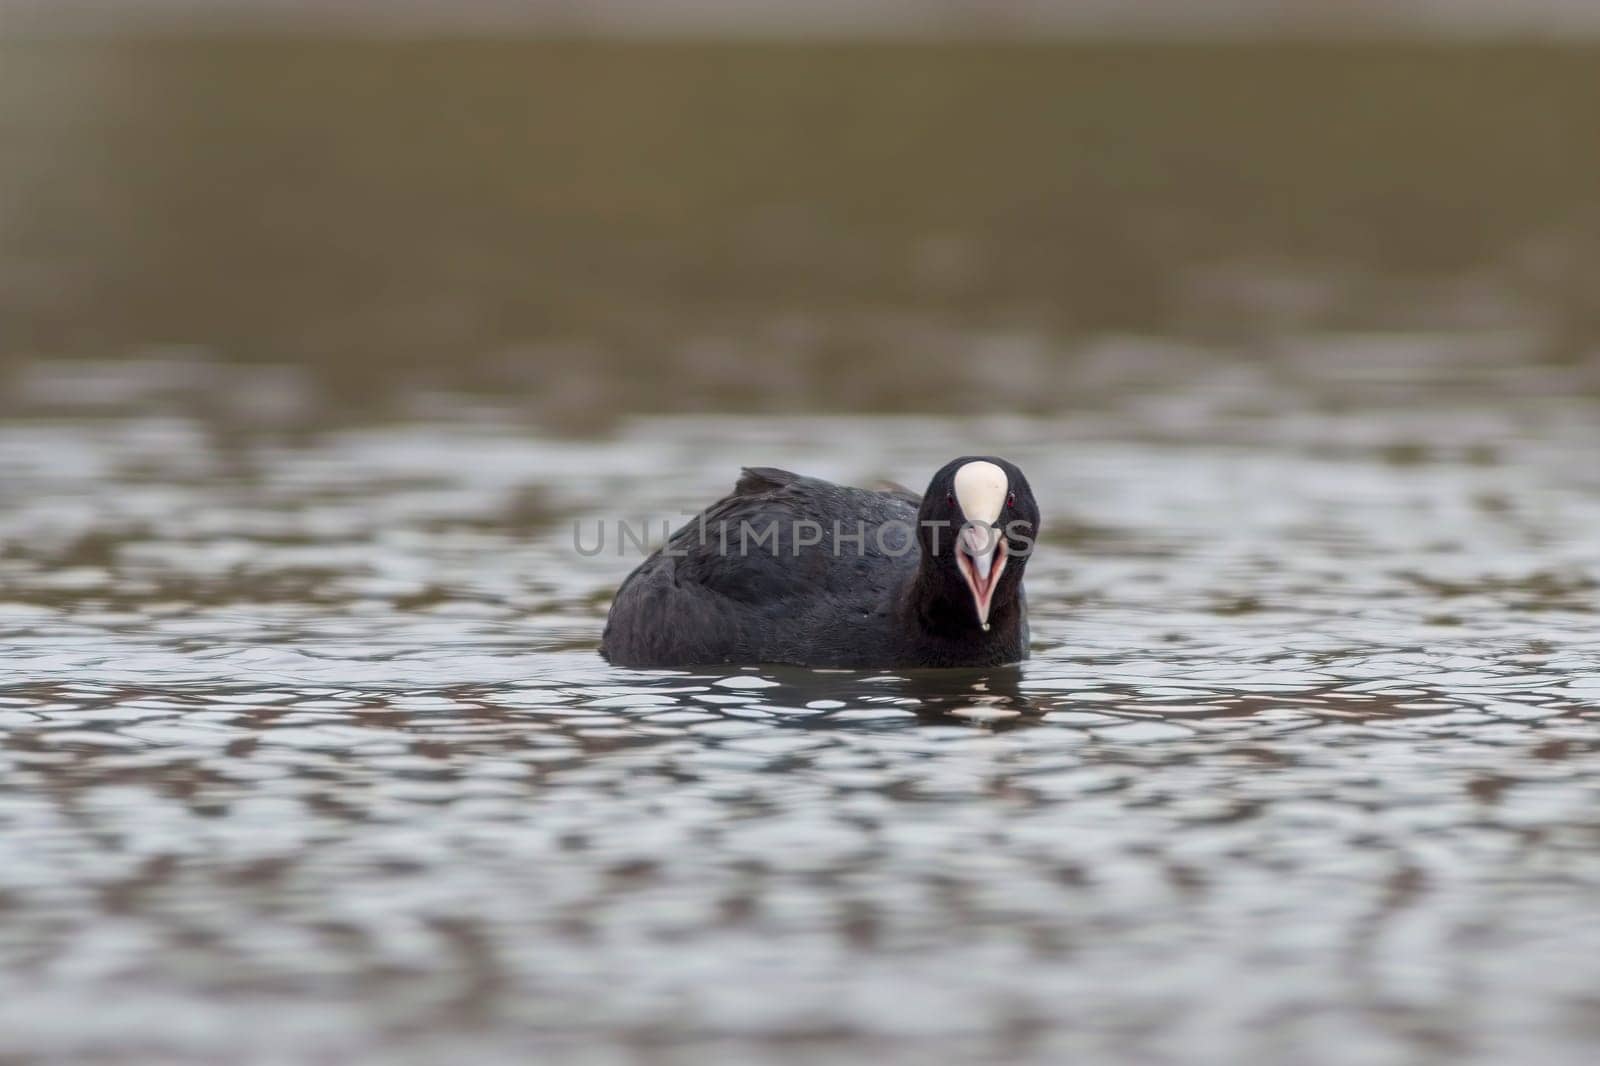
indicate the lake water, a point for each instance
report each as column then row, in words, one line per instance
column 306, row 753
column 315, row 353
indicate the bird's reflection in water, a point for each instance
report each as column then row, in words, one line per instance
column 823, row 699
column 991, row 696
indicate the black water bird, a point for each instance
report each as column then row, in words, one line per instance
column 792, row 569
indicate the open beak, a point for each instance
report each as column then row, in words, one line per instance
column 981, row 558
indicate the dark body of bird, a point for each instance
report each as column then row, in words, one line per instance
column 793, row 569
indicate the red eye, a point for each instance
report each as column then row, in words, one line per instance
column 950, row 498
column 1011, row 499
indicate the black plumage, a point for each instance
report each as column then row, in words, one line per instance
column 793, row 569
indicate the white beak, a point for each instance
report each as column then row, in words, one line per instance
column 981, row 558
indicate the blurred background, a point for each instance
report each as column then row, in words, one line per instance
column 592, row 209
column 323, row 322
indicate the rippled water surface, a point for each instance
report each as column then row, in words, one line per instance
column 306, row 753
column 313, row 351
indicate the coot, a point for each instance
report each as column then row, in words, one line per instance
column 792, row 569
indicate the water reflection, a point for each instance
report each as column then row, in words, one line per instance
column 748, row 860
column 305, row 747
